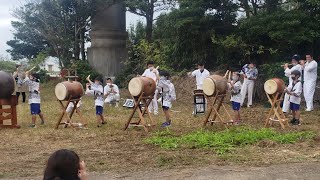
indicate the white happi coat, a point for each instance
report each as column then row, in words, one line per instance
column 287, row 73
column 97, row 92
column 34, row 91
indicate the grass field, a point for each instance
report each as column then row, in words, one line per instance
column 23, row 152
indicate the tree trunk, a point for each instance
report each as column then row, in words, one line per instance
column 254, row 7
column 82, row 46
column 149, row 19
column 246, row 7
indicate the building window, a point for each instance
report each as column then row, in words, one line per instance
column 50, row 67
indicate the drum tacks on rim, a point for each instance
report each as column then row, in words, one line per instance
column 274, row 85
column 139, row 85
column 69, row 90
column 215, row 84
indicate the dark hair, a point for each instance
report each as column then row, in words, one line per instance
column 62, row 165
column 200, row 64
column 150, row 62
column 296, row 57
column 98, row 78
column 310, row 54
column 296, row 72
column 36, row 77
column 237, row 73
column 108, row 79
column 164, row 73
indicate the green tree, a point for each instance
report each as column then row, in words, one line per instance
column 146, row 9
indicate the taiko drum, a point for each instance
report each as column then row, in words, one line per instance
column 139, row 85
column 215, row 84
column 68, row 90
column 7, row 85
column 274, row 85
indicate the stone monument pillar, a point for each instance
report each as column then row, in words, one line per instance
column 108, row 40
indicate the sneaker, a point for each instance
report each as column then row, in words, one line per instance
column 103, row 122
column 308, row 110
column 296, row 122
column 292, row 120
column 248, row 106
column 156, row 113
column 32, row 126
column 42, row 122
column 117, row 104
column 99, row 125
column 166, row 124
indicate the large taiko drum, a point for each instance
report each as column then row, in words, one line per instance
column 274, row 85
column 214, row 84
column 68, row 90
column 139, row 85
column 7, row 85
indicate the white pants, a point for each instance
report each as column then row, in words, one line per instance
column 308, row 92
column 286, row 103
column 153, row 106
column 112, row 98
column 247, row 87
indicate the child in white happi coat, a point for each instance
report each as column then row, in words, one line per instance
column 152, row 73
column 96, row 89
column 33, row 82
column 235, row 89
column 168, row 95
column 294, row 90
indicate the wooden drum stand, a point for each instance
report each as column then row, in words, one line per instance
column 214, row 110
column 11, row 111
column 142, row 110
column 69, row 121
column 275, row 113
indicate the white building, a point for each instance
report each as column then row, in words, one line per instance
column 51, row 64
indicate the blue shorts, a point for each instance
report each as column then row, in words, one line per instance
column 235, row 106
column 99, row 110
column 165, row 108
column 35, row 108
column 294, row 106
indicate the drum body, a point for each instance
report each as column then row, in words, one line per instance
column 215, row 84
column 7, row 85
column 139, row 85
column 274, row 85
column 68, row 90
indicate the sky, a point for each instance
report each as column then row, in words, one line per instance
column 6, row 7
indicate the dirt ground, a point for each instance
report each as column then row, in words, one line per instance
column 125, row 154
column 294, row 171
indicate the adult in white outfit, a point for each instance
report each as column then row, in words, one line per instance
column 287, row 72
column 112, row 93
column 152, row 73
column 310, row 79
column 201, row 73
column 250, row 74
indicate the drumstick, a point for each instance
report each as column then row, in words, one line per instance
column 88, row 77
column 225, row 76
column 288, row 65
column 229, row 75
column 32, row 68
column 157, row 67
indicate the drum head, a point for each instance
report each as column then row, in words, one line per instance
column 135, row 87
column 209, row 87
column 270, row 86
column 61, row 91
